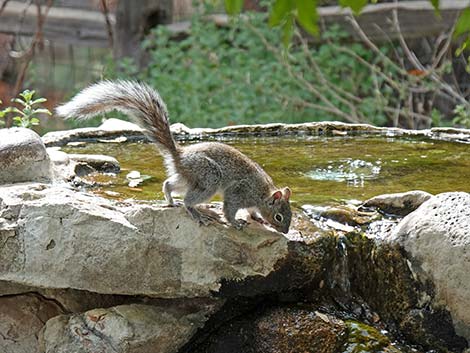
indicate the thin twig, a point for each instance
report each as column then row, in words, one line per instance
column 35, row 42
column 334, row 90
column 390, row 42
column 299, row 78
column 372, row 67
column 109, row 27
column 305, row 103
column 19, row 25
column 372, row 46
column 2, row 7
column 446, row 88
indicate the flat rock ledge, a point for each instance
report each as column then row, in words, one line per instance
column 55, row 237
column 115, row 130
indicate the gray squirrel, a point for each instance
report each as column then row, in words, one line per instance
column 197, row 171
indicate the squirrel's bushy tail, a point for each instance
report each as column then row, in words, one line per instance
column 143, row 102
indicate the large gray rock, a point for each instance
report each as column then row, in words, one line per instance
column 54, row 237
column 437, row 239
column 134, row 328
column 23, row 157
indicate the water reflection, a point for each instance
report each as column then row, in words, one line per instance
column 352, row 171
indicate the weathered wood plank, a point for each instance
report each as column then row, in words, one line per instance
column 85, row 27
column 417, row 19
column 66, row 25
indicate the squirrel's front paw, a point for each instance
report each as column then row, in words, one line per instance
column 202, row 218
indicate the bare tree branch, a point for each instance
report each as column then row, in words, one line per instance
column 37, row 39
column 446, row 88
column 334, row 90
column 109, row 27
column 299, row 78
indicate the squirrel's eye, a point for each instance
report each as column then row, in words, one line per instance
column 278, row 217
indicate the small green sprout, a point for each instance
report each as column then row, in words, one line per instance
column 27, row 115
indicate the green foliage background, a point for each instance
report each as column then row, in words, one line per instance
column 223, row 76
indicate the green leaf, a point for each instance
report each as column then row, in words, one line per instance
column 281, row 11
column 355, row 5
column 20, row 101
column 14, row 110
column 233, row 7
column 462, row 47
column 39, row 100
column 287, row 30
column 42, row 111
column 463, row 23
column 307, row 15
column 27, row 94
column 435, row 4
column 34, row 121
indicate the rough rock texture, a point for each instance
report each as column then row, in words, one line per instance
column 55, row 237
column 288, row 329
column 23, row 157
column 21, row 319
column 399, row 204
column 375, row 278
column 113, row 128
column 98, row 162
column 134, row 328
column 437, row 239
column 67, row 167
column 298, row 330
column 119, row 125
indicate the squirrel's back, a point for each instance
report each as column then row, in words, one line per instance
column 233, row 164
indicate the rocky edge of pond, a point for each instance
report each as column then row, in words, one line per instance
column 116, row 130
column 80, row 273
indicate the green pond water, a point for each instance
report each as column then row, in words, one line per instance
column 319, row 170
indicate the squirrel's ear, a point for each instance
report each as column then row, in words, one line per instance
column 286, row 193
column 277, row 195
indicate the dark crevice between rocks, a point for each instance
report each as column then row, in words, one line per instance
column 71, row 301
column 39, row 296
column 349, row 278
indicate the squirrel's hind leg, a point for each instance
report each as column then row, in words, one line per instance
column 196, row 196
column 169, row 185
column 235, row 199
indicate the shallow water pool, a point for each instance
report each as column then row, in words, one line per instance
column 319, row 170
